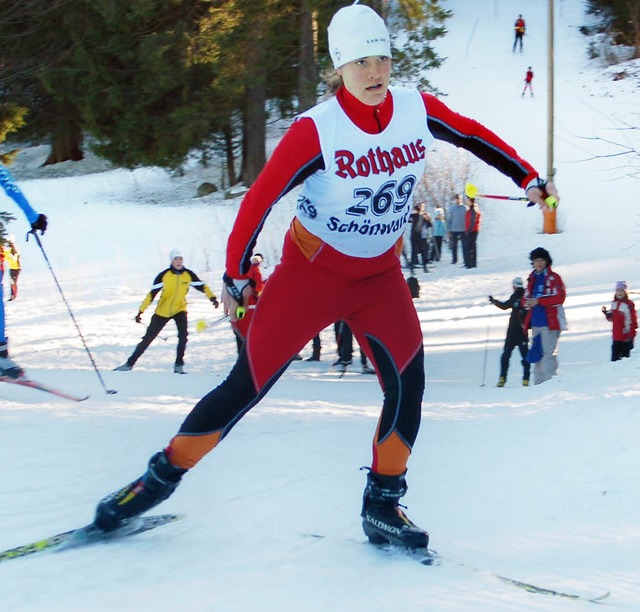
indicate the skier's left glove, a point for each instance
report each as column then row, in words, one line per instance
column 139, row 318
column 214, row 301
column 39, row 224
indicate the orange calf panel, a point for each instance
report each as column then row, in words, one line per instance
column 186, row 451
column 391, row 456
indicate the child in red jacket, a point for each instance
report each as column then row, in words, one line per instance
column 623, row 316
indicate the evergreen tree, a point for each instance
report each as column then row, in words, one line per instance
column 621, row 18
column 37, row 70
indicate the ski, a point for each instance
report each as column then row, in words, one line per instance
column 526, row 586
column 429, row 557
column 27, row 382
column 532, row 588
column 88, row 535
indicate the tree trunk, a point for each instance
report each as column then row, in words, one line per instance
column 255, row 129
column 307, row 70
column 66, row 145
column 231, row 162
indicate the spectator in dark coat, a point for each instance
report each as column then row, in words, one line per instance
column 516, row 334
column 419, row 225
column 471, row 229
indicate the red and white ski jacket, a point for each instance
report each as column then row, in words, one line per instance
column 623, row 317
column 551, row 301
column 299, row 155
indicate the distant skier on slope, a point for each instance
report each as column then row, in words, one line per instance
column 528, row 82
column 519, row 30
column 359, row 156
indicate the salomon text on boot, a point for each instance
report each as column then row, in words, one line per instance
column 383, row 519
column 154, row 486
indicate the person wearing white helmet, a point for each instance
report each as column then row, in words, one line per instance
column 358, row 156
column 516, row 334
column 11, row 257
column 173, row 284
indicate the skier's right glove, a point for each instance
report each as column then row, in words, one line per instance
column 491, row 299
column 139, row 317
column 39, row 224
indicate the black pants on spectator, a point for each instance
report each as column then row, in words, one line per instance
column 155, row 327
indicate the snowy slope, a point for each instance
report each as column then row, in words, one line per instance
column 540, row 484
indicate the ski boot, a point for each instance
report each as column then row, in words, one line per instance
column 154, row 486
column 8, row 368
column 382, row 517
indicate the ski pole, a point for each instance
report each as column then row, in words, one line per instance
column 472, row 192
column 241, row 312
column 486, row 350
column 147, row 327
column 64, row 299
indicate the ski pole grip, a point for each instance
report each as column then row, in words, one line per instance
column 241, row 311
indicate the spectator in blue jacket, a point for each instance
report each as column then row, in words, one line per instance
column 439, row 232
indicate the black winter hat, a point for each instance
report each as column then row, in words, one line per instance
column 540, row 253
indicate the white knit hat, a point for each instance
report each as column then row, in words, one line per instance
column 175, row 253
column 517, row 282
column 357, row 31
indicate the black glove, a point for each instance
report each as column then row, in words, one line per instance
column 491, row 299
column 39, row 224
column 138, row 318
column 214, row 301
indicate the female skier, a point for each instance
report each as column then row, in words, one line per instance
column 359, row 155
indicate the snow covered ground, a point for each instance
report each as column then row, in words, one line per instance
column 541, row 484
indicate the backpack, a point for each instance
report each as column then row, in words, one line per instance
column 414, row 287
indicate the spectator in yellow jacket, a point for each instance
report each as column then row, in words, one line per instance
column 175, row 281
column 11, row 257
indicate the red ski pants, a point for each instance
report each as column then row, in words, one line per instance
column 301, row 298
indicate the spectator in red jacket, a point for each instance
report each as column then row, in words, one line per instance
column 241, row 325
column 543, row 299
column 471, row 229
column 625, row 322
column 519, row 31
